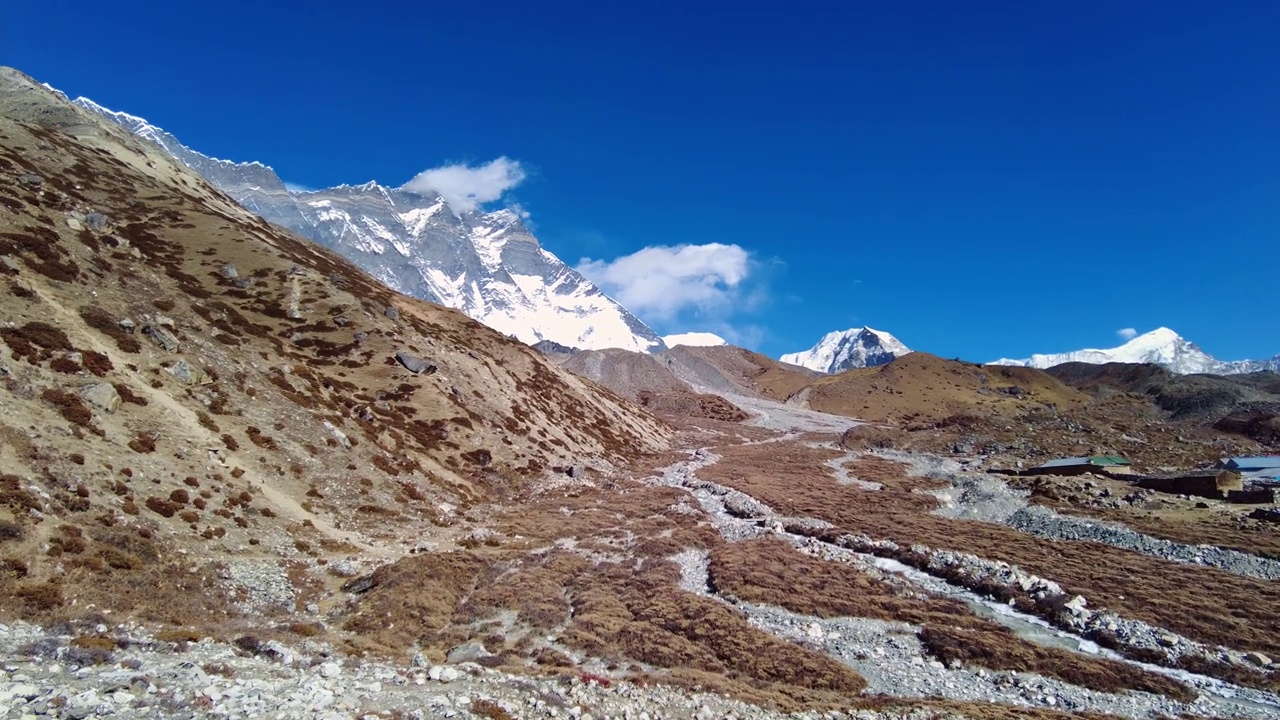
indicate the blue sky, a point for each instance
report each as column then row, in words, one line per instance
column 980, row 179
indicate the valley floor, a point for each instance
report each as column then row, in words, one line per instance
column 765, row 572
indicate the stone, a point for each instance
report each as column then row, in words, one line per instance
column 127, row 325
column 329, row 669
column 188, row 373
column 467, row 652
column 360, row 337
column 161, row 337
column 415, row 364
column 229, row 272
column 244, row 283
column 359, row 585
column 102, row 396
column 1258, row 659
column 392, row 312
column 1167, row 640
column 31, row 180
column 97, row 222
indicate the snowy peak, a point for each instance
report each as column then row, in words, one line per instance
column 848, row 349
column 694, row 339
column 1161, row 346
column 486, row 264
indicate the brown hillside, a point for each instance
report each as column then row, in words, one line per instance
column 648, row 380
column 189, row 391
column 920, row 387
column 727, row 368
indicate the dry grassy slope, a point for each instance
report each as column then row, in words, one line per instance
column 293, row 436
column 649, row 381
column 920, row 386
column 626, row 373
column 728, row 368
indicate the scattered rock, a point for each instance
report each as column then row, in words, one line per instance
column 102, row 396
column 1258, row 659
column 392, row 312
column 359, row 585
column 229, row 272
column 31, row 180
column 415, row 364
column 97, row 222
column 468, row 652
column 188, row 373
column 161, row 337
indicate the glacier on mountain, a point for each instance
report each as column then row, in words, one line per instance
column 848, row 349
column 1161, row 346
column 486, row 264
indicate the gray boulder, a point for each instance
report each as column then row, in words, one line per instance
column 392, row 312
column 188, row 373
column 31, row 180
column 97, row 222
column 161, row 337
column 415, row 364
column 468, row 652
column 102, row 396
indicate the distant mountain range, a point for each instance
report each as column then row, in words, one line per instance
column 486, row 264
column 1162, row 347
column 848, row 349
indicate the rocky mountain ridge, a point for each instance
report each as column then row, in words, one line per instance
column 486, row 264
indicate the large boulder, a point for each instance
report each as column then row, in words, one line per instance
column 415, row 364
column 188, row 373
column 161, row 337
column 102, row 396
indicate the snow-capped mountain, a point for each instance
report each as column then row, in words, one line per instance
column 847, row 349
column 694, row 339
column 1162, row 347
column 486, row 264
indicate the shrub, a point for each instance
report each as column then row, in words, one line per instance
column 127, row 395
column 180, row 496
column 143, row 443
column 97, row 363
column 231, row 443
column 99, row 320
column 70, row 407
column 162, row 507
column 11, row 531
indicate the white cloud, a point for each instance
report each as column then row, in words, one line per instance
column 465, row 187
column 1127, row 333
column 661, row 282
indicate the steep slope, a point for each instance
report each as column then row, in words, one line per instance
column 731, row 369
column 1162, row 347
column 487, row 264
column 920, row 386
column 848, row 349
column 1244, row 404
column 649, row 381
column 198, row 403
